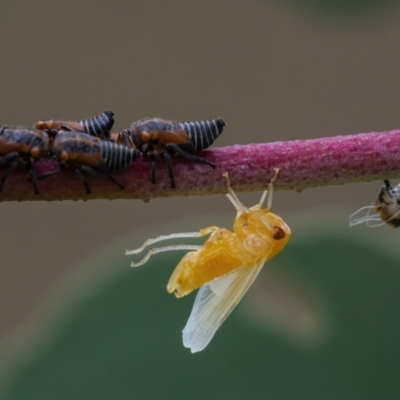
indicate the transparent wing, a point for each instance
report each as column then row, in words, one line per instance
column 365, row 214
column 214, row 302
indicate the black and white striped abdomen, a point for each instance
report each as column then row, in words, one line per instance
column 202, row 133
column 117, row 156
column 99, row 126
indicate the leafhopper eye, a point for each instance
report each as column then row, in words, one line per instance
column 279, row 233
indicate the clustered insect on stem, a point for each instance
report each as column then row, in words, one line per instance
column 152, row 136
column 89, row 146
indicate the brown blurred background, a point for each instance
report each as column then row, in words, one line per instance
column 272, row 69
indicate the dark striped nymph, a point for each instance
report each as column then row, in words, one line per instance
column 155, row 136
column 91, row 154
column 99, row 126
column 20, row 144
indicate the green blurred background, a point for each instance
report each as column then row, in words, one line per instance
column 320, row 322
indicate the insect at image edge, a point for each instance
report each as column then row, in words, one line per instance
column 387, row 206
column 27, row 145
column 225, row 266
column 21, row 144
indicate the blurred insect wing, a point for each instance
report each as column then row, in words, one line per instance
column 366, row 214
column 214, row 302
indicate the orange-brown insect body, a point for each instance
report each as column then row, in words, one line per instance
column 25, row 141
column 21, row 144
column 91, row 154
column 156, row 131
column 79, row 148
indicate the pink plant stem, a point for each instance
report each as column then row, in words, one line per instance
column 302, row 163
